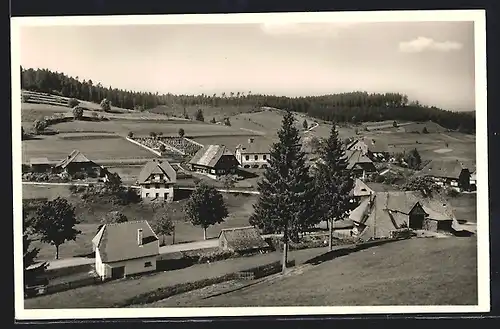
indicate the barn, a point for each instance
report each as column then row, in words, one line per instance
column 214, row 161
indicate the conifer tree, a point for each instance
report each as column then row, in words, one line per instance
column 287, row 192
column 333, row 181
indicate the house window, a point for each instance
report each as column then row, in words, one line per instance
column 148, row 264
column 247, row 157
column 264, row 157
column 256, row 157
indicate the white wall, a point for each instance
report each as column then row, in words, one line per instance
column 251, row 159
column 169, row 189
column 133, row 266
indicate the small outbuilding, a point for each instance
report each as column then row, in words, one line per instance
column 40, row 165
column 242, row 240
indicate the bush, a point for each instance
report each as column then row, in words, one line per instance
column 451, row 192
column 202, row 257
column 130, row 134
column 72, row 102
column 77, row 113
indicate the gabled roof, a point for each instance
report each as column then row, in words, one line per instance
column 258, row 146
column 243, row 238
column 374, row 145
column 387, row 211
column 209, row 155
column 444, row 168
column 157, row 167
column 361, row 188
column 39, row 161
column 355, row 157
column 74, row 157
column 118, row 242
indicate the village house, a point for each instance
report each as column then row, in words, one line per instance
column 384, row 212
column 360, row 164
column 76, row 162
column 449, row 173
column 242, row 240
column 40, row 165
column 375, row 149
column 157, row 179
column 473, row 182
column 214, row 161
column 255, row 154
column 124, row 249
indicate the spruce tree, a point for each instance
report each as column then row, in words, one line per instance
column 334, row 181
column 287, row 192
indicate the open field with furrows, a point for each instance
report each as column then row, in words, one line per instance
column 432, row 271
column 56, row 148
column 111, row 293
column 240, row 207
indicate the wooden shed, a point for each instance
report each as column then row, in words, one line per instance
column 242, row 240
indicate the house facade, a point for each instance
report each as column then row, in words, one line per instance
column 449, row 173
column 125, row 249
column 253, row 155
column 157, row 180
column 214, row 161
column 360, row 164
column 375, row 149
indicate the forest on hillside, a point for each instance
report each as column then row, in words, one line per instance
column 351, row 107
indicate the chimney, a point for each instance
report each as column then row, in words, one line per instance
column 139, row 237
column 250, row 140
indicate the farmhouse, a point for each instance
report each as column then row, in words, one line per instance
column 76, row 162
column 124, row 249
column 40, row 165
column 241, row 240
column 214, row 161
column 360, row 164
column 451, row 173
column 375, row 149
column 383, row 212
column 254, row 154
column 157, row 179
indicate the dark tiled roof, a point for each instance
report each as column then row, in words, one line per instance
column 356, row 157
column 258, row 146
column 445, row 168
column 209, row 155
column 157, row 167
column 389, row 210
column 374, row 145
column 74, row 157
column 118, row 242
column 243, row 238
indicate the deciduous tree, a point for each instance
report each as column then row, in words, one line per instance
column 55, row 222
column 163, row 223
column 181, row 132
column 206, row 207
column 77, row 113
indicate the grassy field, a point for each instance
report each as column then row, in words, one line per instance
column 56, row 148
column 107, row 294
column 428, row 272
column 240, row 207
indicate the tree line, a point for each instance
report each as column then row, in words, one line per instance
column 353, row 107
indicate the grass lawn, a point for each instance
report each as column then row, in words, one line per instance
column 240, row 207
column 429, row 272
column 55, row 148
column 107, row 294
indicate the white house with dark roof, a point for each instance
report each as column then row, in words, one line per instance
column 254, row 154
column 214, row 161
column 125, row 249
column 157, row 179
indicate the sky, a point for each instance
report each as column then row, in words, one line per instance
column 432, row 62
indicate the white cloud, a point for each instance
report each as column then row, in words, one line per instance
column 305, row 29
column 423, row 44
